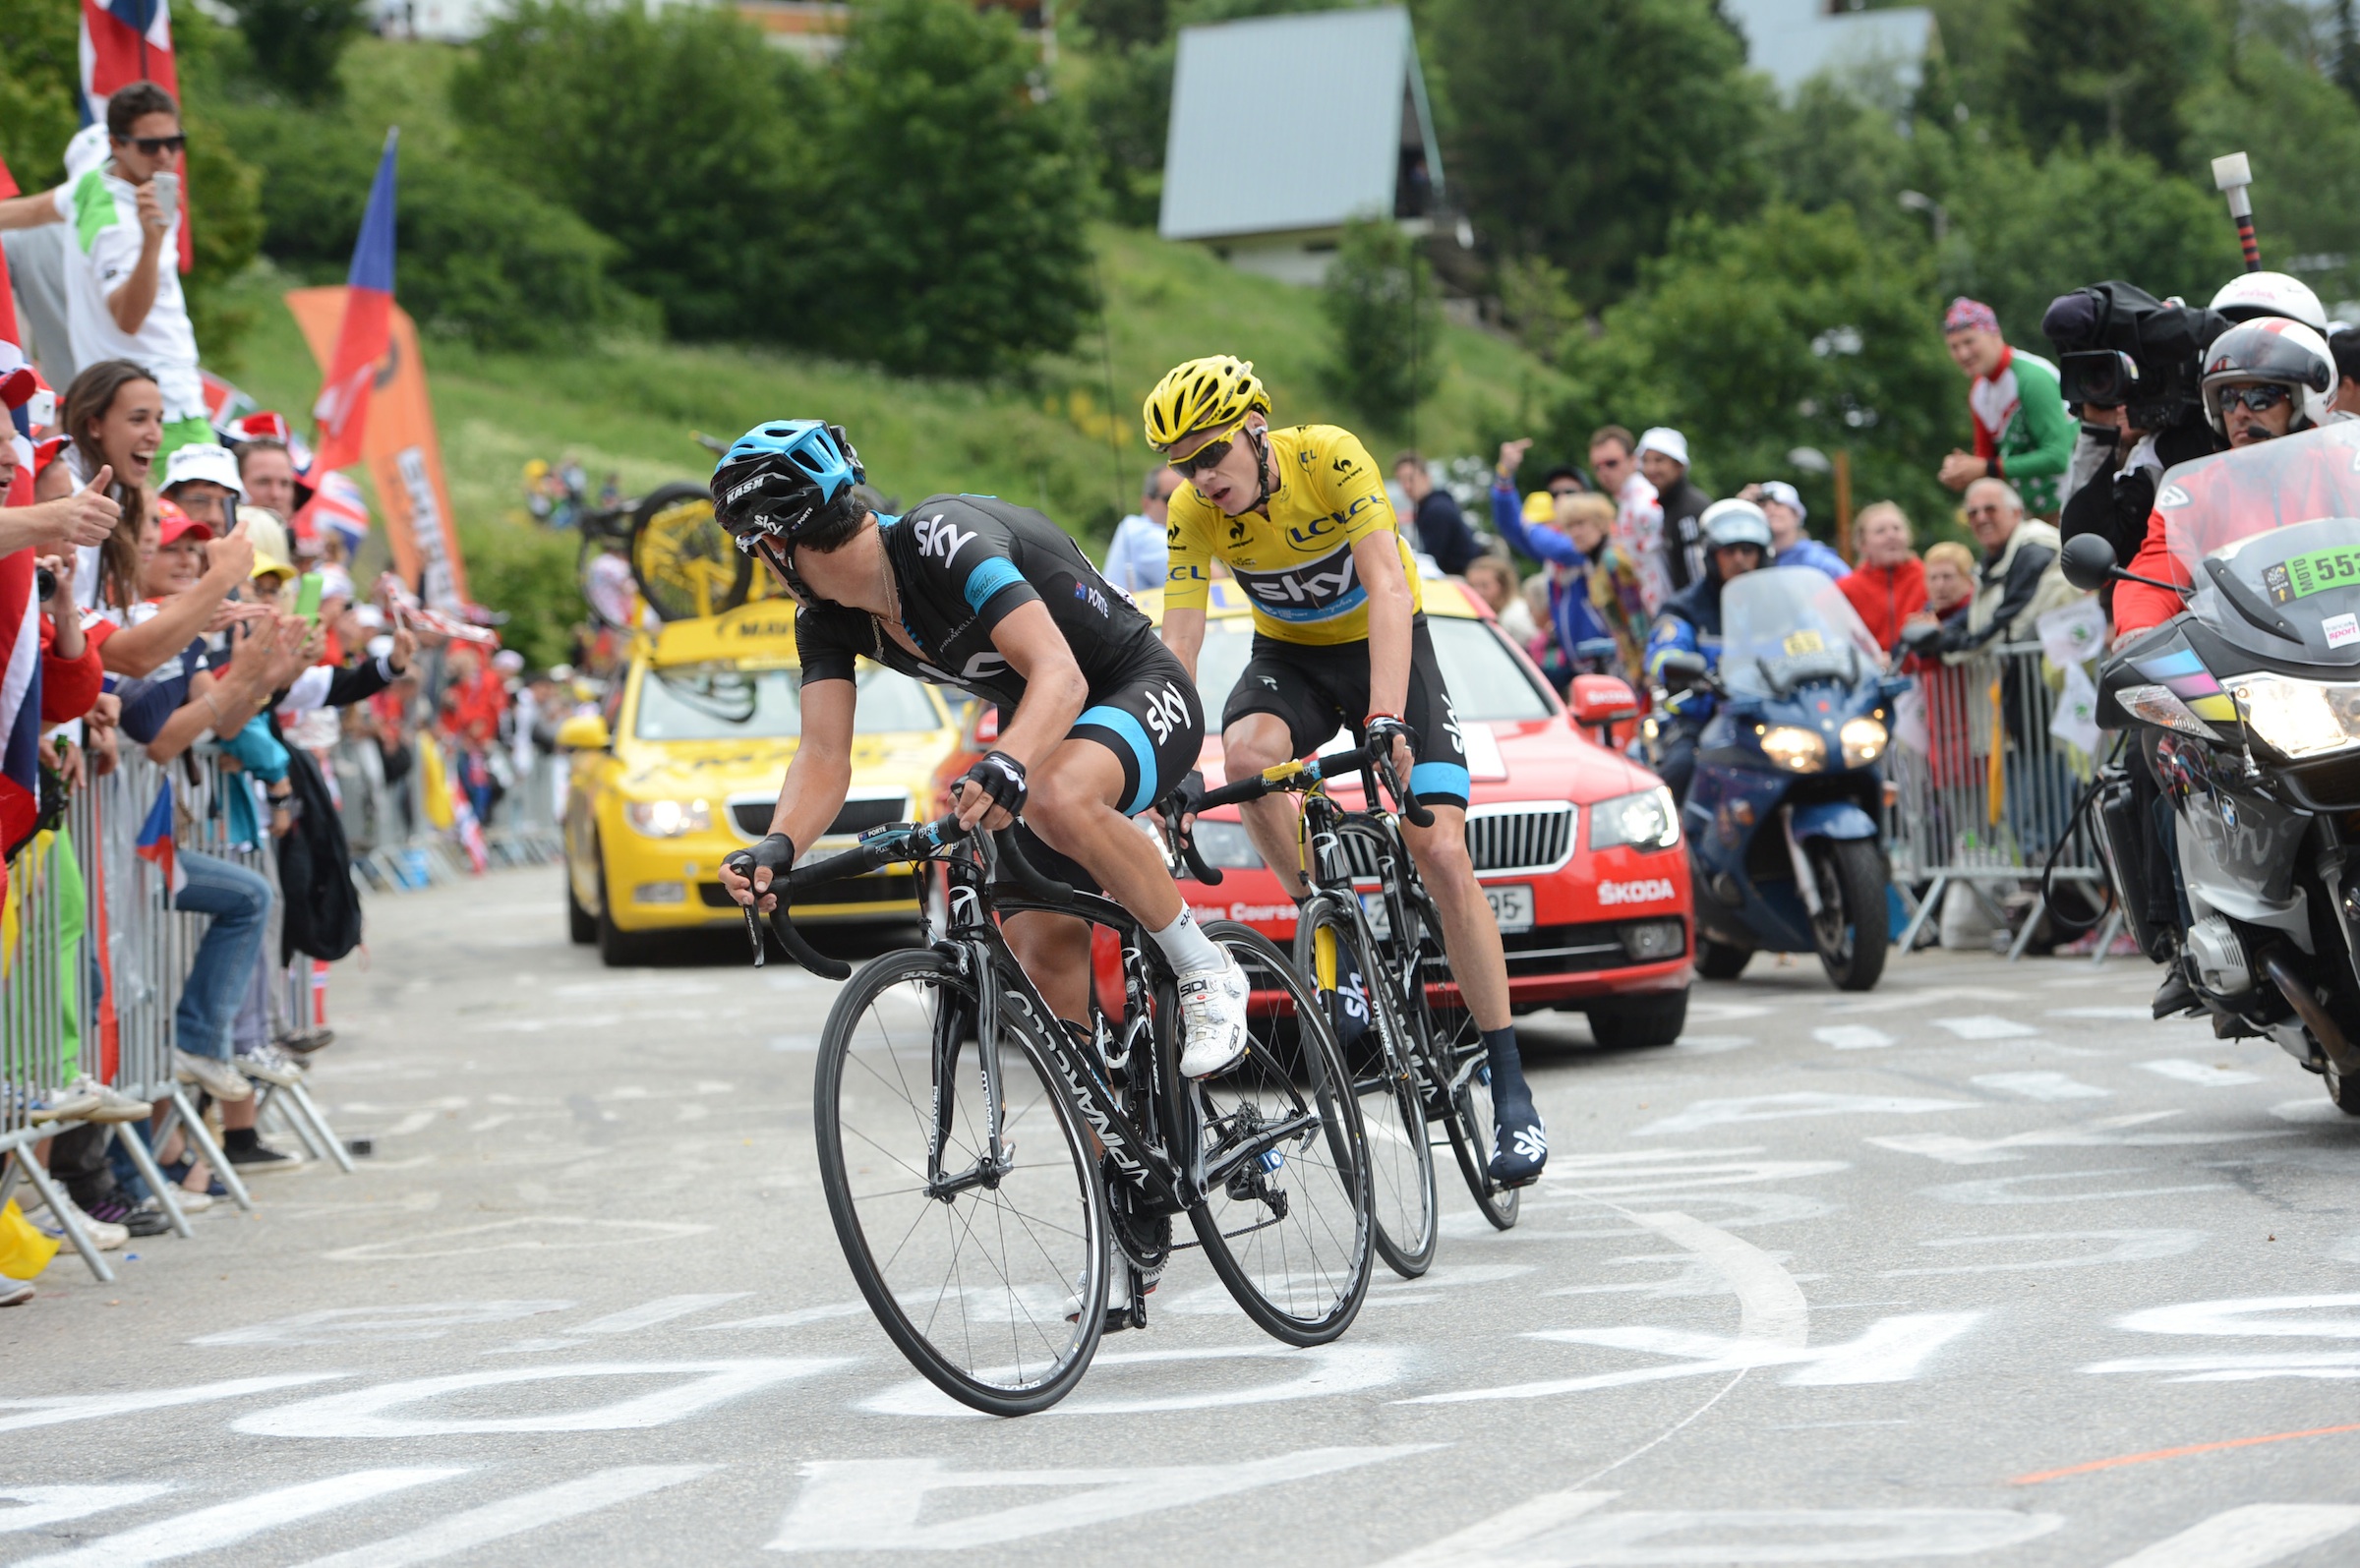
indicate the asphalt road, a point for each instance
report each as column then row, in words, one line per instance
column 1982, row 1266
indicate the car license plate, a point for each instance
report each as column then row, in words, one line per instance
column 1512, row 906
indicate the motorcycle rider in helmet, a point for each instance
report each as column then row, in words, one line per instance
column 1736, row 535
column 1098, row 720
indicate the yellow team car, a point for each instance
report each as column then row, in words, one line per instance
column 684, row 766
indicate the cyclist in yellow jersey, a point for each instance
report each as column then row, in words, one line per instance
column 1301, row 519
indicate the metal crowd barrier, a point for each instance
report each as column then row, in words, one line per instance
column 92, row 975
column 1984, row 790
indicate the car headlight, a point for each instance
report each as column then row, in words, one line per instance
column 666, row 819
column 2300, row 718
column 1647, row 820
column 1227, row 846
column 1863, row 742
column 1795, row 749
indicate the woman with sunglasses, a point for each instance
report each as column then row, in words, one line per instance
column 123, row 298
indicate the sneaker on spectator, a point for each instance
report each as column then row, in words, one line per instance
column 73, row 1104
column 270, row 1065
column 113, row 1104
column 104, row 1237
column 15, row 1292
column 211, row 1075
column 305, row 1042
column 260, row 1157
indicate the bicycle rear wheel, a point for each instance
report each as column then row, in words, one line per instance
column 992, row 1280
column 1376, row 1044
column 1285, row 1217
column 1457, row 1062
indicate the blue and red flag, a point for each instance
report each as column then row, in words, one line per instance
column 154, row 842
column 19, row 703
column 366, row 335
column 125, row 41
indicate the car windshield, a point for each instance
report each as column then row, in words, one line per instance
column 2270, row 535
column 1779, row 630
column 1484, row 680
column 728, row 702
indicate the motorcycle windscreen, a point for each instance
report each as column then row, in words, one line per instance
column 2270, row 536
column 1784, row 626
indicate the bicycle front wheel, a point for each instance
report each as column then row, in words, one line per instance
column 1376, row 1046
column 1286, row 1216
column 990, row 1274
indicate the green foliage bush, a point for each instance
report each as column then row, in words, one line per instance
column 1383, row 327
column 296, row 45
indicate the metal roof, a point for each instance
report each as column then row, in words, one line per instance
column 1793, row 40
column 1282, row 124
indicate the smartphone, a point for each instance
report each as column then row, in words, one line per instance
column 307, row 595
column 167, row 194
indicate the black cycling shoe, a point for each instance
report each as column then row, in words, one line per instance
column 1520, row 1144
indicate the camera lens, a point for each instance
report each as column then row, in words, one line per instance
column 44, row 583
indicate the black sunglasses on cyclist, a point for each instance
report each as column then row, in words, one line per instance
column 156, row 147
column 1206, row 456
column 2259, row 398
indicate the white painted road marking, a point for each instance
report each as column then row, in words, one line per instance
column 227, row 1524
column 2248, row 1537
column 363, row 1412
column 38, row 1506
column 1985, row 1026
column 2104, row 1133
column 1321, row 1371
column 90, row 1406
column 2042, row 1085
column 1499, row 1538
column 1851, row 1036
column 513, row 1516
column 663, row 1309
column 2196, row 1072
column 340, row 1326
column 1805, row 1102
column 1563, row 1530
column 873, row 1504
column 2131, row 1247
column 2002, row 1189
column 531, row 1233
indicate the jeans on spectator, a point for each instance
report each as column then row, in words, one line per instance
column 239, row 900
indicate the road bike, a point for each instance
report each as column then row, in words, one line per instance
column 1375, row 959
column 986, row 1166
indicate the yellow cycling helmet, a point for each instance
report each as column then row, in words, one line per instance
column 1202, row 394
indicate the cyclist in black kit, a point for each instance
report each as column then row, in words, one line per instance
column 1098, row 719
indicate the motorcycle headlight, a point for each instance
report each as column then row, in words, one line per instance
column 1227, row 847
column 666, row 819
column 1864, row 742
column 2300, row 718
column 1795, row 749
column 1647, row 820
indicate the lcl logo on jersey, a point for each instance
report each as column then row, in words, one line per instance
column 936, row 536
column 1166, row 710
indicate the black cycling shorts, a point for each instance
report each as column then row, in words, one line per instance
column 1152, row 719
column 1318, row 688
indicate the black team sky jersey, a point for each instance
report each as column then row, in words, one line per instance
column 963, row 564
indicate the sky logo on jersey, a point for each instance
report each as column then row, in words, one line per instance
column 1318, row 590
column 936, row 536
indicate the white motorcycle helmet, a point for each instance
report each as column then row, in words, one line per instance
column 2278, row 351
column 2251, row 295
column 1735, row 522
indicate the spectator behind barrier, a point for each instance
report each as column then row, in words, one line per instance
column 2022, row 431
column 1138, row 558
column 1889, row 588
column 1494, row 579
column 1664, row 459
column 1442, row 532
column 203, row 478
column 1783, row 505
column 1595, row 588
column 2344, row 344
column 113, row 418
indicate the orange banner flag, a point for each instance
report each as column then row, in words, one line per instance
column 400, row 447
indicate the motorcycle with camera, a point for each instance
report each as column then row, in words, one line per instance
column 2246, row 708
column 1781, row 818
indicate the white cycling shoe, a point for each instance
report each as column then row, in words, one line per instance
column 1213, row 1020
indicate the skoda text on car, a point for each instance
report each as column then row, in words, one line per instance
column 684, row 766
column 1577, row 847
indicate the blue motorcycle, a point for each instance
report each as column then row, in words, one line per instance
column 1781, row 819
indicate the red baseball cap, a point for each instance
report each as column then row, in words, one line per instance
column 178, row 524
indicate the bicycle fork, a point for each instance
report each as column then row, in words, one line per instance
column 998, row 1156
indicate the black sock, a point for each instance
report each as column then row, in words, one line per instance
column 240, row 1139
column 1507, row 1068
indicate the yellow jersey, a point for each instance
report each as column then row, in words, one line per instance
column 1296, row 564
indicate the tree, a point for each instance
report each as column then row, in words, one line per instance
column 297, row 44
column 2347, row 51
column 958, row 240
column 1793, row 330
column 2303, row 135
column 2112, row 72
column 679, row 134
column 1581, row 129
column 36, row 89
column 1383, row 327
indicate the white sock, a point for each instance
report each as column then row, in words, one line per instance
column 1186, row 946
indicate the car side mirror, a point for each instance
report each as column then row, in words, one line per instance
column 1683, row 671
column 1602, row 700
column 583, row 732
column 2088, row 561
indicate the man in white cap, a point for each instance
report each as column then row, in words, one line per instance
column 1781, row 504
column 1664, row 459
column 201, row 480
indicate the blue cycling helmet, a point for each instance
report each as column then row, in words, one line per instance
column 781, row 479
